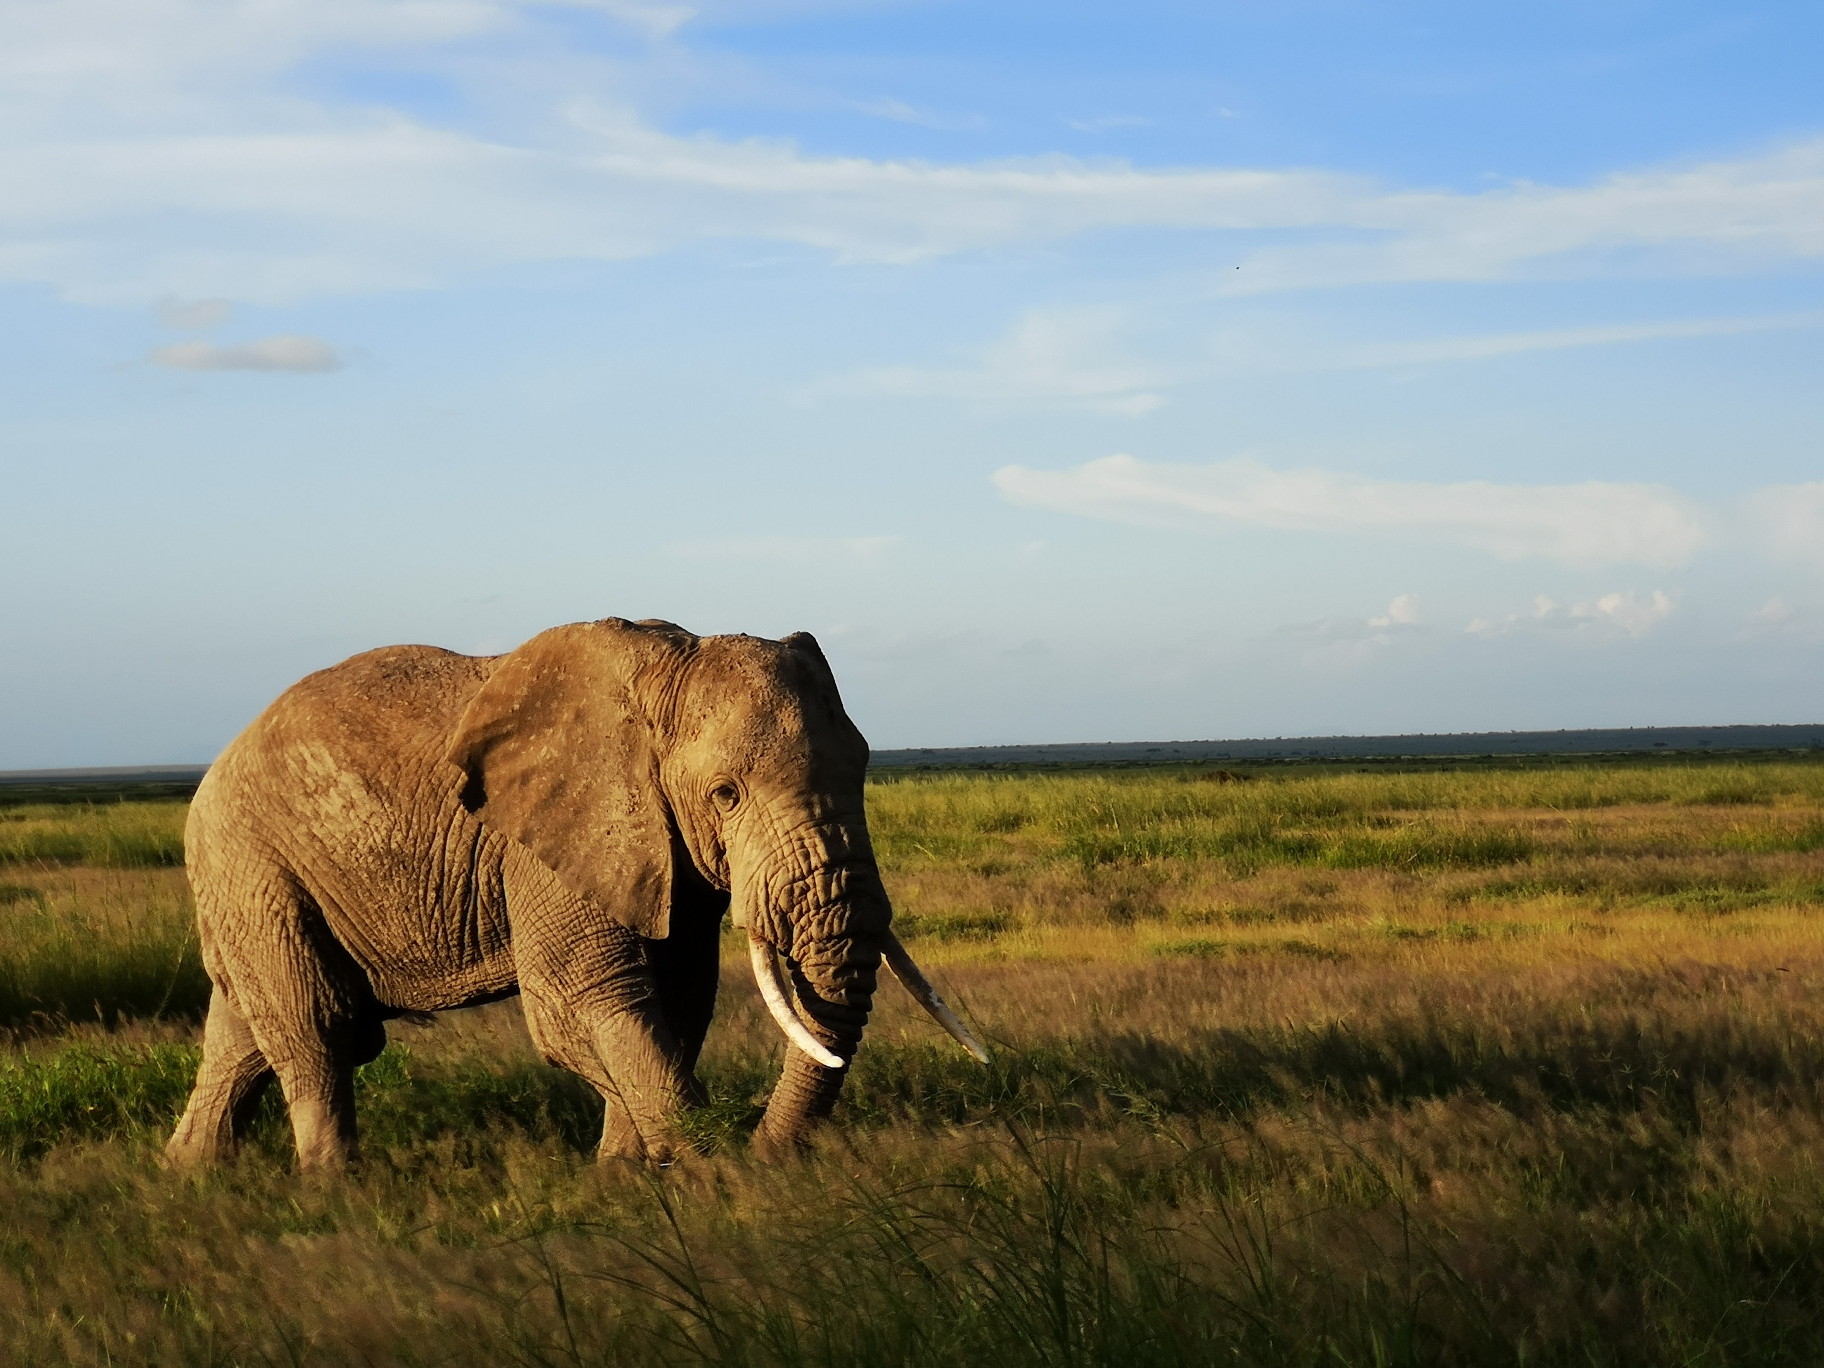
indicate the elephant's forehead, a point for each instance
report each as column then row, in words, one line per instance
column 737, row 676
column 755, row 704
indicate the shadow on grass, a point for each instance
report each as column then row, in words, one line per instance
column 1626, row 1060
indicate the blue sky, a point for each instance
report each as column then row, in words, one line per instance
column 1073, row 372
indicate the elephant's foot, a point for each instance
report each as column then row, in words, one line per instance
column 196, row 1143
column 218, row 1114
column 326, row 1142
column 640, row 1115
column 657, row 1141
column 229, row 1085
column 803, row 1099
column 772, row 1147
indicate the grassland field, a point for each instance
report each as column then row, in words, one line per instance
column 1452, row 1064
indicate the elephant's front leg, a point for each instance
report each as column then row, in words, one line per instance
column 687, row 967
column 593, row 1006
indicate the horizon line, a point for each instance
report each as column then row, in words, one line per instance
column 1562, row 740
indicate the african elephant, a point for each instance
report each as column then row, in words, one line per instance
column 414, row 830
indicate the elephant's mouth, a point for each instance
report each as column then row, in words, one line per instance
column 776, row 991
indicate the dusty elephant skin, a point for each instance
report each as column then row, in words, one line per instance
column 414, row 830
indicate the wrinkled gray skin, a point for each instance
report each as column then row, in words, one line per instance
column 414, row 830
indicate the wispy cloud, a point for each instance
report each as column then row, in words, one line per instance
column 287, row 352
column 187, row 173
column 1719, row 214
column 1082, row 358
column 1591, row 523
column 901, row 112
column 1329, row 642
column 1067, row 356
column 1487, row 346
column 193, row 315
column 1779, row 619
column 1623, row 612
column 1789, row 521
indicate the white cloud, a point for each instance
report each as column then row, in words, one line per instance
column 1777, row 618
column 1077, row 357
column 655, row 21
column 1593, row 523
column 1704, row 217
column 1403, row 611
column 1059, row 355
column 1347, row 642
column 1773, row 613
column 1633, row 615
column 194, row 315
column 161, row 147
column 1623, row 611
column 286, row 352
column 1789, row 521
column 901, row 112
column 160, row 56
column 1487, row 346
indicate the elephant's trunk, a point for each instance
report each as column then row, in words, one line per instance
column 821, row 906
column 825, row 910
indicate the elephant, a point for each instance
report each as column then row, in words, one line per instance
column 415, row 830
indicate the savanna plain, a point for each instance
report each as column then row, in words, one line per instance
column 1419, row 1064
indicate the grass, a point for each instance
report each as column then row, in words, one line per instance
column 81, row 944
column 1465, row 1066
column 118, row 835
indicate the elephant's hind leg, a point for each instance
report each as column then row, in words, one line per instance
column 233, row 1078
column 308, row 1006
column 315, row 1059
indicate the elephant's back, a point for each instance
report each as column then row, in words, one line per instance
column 340, row 791
column 344, row 749
column 372, row 713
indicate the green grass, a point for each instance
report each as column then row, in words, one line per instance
column 1805, row 838
column 1342, row 821
column 953, row 926
column 956, row 804
column 98, row 949
column 90, row 1092
column 107, row 836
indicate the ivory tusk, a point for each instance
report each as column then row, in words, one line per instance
column 777, row 992
column 920, row 987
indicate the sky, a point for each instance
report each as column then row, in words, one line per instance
column 1075, row 372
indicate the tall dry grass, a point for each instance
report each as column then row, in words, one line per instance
column 1443, row 1068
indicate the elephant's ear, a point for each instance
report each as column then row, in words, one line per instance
column 557, row 752
column 806, row 647
column 805, row 642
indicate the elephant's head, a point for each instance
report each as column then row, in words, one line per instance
column 609, row 747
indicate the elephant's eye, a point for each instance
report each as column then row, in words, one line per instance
column 726, row 796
